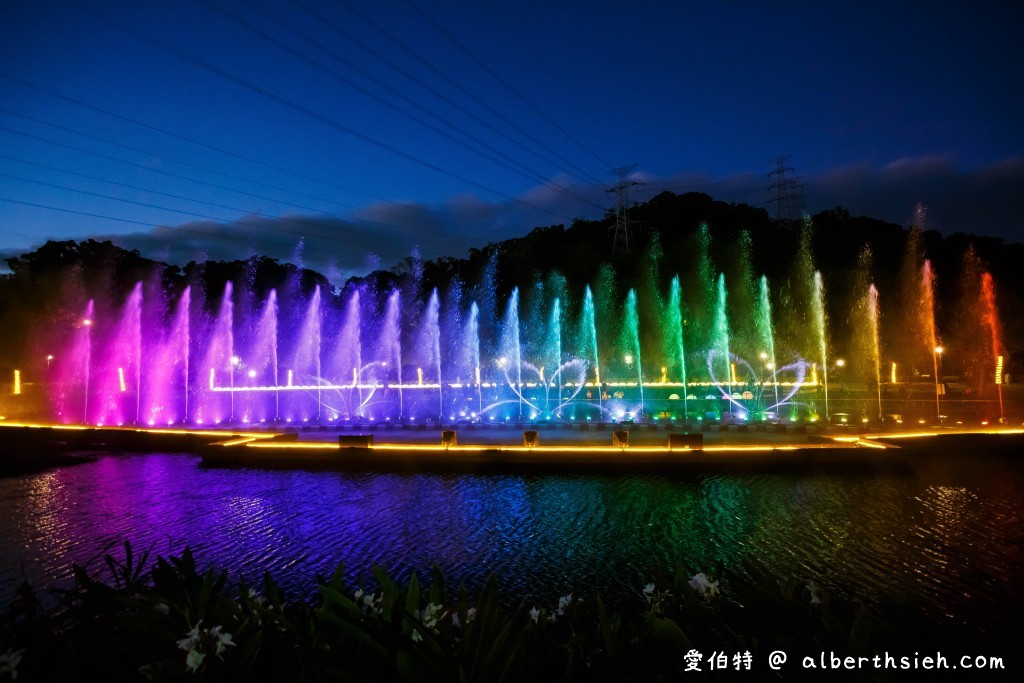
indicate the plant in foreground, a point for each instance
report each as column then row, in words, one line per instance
column 135, row 622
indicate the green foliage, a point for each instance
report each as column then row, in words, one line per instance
column 175, row 622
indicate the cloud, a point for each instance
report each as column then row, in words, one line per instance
column 985, row 201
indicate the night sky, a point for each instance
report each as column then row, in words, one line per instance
column 197, row 129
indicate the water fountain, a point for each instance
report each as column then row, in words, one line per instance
column 763, row 321
column 928, row 323
column 876, row 353
column 990, row 318
column 740, row 350
column 820, row 333
column 675, row 330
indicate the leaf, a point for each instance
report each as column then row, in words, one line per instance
column 437, row 586
column 334, row 597
column 388, row 590
column 609, row 628
column 669, row 631
column 412, row 596
column 355, row 631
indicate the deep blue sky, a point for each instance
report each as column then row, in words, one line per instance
column 881, row 105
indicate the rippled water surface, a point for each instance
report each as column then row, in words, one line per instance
column 952, row 536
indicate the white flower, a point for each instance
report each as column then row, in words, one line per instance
column 470, row 614
column 9, row 662
column 564, row 602
column 703, row 587
column 655, row 598
column 534, row 614
column 372, row 603
column 359, row 595
column 224, row 640
column 429, row 617
column 431, row 614
column 163, row 608
column 194, row 660
column 455, row 619
column 259, row 599
column 191, row 638
column 199, row 641
column 814, row 590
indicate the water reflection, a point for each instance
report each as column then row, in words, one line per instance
column 951, row 544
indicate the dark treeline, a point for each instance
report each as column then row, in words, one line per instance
column 47, row 289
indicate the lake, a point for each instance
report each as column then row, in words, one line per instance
column 952, row 535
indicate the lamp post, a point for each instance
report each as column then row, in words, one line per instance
column 87, row 323
column 841, row 375
column 938, row 379
column 235, row 362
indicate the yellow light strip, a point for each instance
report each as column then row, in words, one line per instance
column 44, row 426
column 857, row 441
column 608, row 450
column 237, row 442
column 195, row 432
column 915, row 435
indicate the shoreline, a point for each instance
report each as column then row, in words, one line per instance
column 658, row 449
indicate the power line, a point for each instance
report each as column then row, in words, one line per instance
column 310, row 113
column 289, row 220
column 245, row 221
column 183, row 163
column 174, row 135
column 493, row 154
column 163, row 157
column 455, row 41
column 161, row 171
column 583, row 174
column 142, row 223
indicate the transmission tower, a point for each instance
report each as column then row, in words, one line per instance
column 623, row 223
column 787, row 193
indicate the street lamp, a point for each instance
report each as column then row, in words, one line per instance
column 87, row 323
column 840, row 364
column 235, row 362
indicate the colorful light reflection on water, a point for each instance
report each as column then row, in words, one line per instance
column 544, row 536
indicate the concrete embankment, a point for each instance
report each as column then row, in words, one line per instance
column 25, row 448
